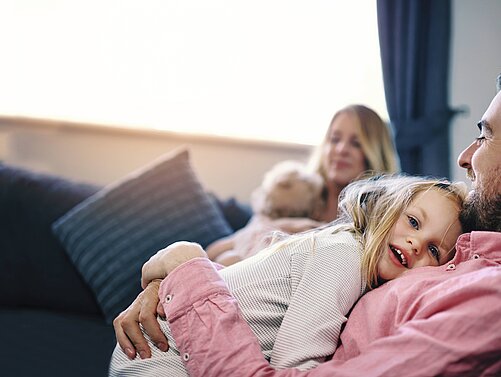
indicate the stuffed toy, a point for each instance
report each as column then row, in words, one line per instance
column 288, row 199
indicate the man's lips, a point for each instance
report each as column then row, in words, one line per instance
column 470, row 174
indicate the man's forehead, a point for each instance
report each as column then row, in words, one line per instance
column 492, row 116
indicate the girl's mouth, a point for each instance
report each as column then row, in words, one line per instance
column 399, row 255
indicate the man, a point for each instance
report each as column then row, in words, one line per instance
column 443, row 320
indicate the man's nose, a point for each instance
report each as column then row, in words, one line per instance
column 464, row 159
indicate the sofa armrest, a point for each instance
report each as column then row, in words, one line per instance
column 35, row 270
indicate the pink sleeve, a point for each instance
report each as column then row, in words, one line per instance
column 212, row 337
column 214, row 340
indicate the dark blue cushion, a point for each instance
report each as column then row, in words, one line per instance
column 110, row 235
column 236, row 214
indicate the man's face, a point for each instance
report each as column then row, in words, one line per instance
column 482, row 159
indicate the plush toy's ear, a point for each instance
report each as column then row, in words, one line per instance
column 288, row 190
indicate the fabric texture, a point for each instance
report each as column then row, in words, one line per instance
column 110, row 235
column 317, row 278
column 236, row 214
column 414, row 37
column 431, row 321
column 30, row 202
column 70, row 336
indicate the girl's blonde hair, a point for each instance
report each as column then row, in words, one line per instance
column 374, row 205
column 376, row 141
column 370, row 207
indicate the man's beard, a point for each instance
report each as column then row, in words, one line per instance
column 482, row 211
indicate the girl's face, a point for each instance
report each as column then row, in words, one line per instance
column 424, row 235
column 343, row 159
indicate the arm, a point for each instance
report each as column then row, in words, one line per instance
column 322, row 280
column 145, row 308
column 295, row 224
column 219, row 342
column 323, row 293
column 219, row 246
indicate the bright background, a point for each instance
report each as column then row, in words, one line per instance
column 261, row 69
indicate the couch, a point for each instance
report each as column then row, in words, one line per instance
column 54, row 321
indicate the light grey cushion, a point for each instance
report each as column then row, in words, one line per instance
column 110, row 235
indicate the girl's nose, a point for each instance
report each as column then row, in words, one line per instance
column 416, row 244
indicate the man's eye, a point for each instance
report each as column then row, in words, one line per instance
column 413, row 222
column 435, row 252
column 480, row 140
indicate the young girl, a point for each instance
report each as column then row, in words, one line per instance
column 296, row 294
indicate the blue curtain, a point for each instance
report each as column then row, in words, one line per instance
column 414, row 38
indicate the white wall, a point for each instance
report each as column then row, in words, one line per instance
column 235, row 168
column 475, row 64
column 102, row 155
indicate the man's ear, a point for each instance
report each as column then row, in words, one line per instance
column 498, row 83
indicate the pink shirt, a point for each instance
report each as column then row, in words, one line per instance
column 432, row 321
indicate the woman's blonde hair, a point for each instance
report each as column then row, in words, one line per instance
column 375, row 204
column 376, row 141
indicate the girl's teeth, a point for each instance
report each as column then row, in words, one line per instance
column 401, row 255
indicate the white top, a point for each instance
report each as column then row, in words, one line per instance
column 295, row 300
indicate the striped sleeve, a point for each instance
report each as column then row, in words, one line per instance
column 324, row 288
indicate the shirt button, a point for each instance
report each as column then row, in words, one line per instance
column 451, row 267
column 476, row 256
column 168, row 299
column 186, row 356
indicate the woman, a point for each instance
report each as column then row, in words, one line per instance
column 357, row 141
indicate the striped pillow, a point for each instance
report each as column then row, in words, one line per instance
column 111, row 234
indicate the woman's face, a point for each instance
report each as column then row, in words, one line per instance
column 424, row 235
column 343, row 159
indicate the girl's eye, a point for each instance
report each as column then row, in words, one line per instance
column 435, row 252
column 334, row 140
column 413, row 222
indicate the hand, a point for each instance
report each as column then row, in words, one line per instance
column 166, row 260
column 142, row 311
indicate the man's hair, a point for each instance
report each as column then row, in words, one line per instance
column 498, row 83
